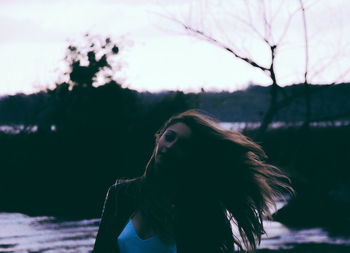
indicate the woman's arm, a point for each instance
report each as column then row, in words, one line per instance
column 105, row 241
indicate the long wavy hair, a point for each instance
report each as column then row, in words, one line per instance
column 225, row 182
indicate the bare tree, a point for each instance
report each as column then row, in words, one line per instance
column 259, row 19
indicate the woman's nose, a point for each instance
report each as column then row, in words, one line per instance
column 164, row 148
column 167, row 147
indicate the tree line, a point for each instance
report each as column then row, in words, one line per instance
column 63, row 107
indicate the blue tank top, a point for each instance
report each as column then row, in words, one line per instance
column 130, row 242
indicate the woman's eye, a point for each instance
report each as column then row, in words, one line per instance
column 169, row 137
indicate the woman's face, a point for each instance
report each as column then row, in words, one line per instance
column 173, row 146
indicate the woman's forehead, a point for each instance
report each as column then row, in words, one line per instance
column 181, row 129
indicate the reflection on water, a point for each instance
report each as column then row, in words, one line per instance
column 281, row 124
column 15, row 129
column 280, row 237
column 23, row 234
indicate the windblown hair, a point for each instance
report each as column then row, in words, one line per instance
column 225, row 181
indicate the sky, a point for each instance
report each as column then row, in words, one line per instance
column 156, row 53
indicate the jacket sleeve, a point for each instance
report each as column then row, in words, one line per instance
column 105, row 241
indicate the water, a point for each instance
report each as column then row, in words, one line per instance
column 281, row 237
column 16, row 129
column 24, row 234
column 280, row 124
column 20, row 128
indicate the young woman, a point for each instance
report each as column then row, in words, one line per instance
column 200, row 181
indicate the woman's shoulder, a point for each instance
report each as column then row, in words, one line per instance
column 122, row 195
column 127, row 186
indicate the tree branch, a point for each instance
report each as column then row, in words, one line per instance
column 220, row 44
column 306, row 42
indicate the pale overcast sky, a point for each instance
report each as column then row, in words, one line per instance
column 157, row 54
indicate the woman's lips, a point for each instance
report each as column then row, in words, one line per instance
column 161, row 156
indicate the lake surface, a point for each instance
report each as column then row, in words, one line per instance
column 23, row 234
column 18, row 128
column 280, row 124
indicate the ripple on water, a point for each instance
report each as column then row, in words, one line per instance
column 20, row 233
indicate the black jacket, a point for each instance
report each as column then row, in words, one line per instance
column 194, row 234
column 117, row 210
